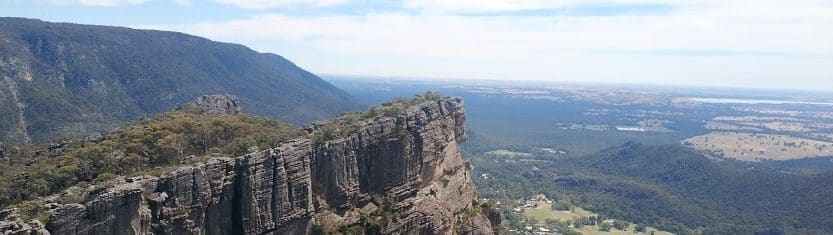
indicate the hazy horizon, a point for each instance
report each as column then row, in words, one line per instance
column 416, row 117
column 768, row 44
column 521, row 82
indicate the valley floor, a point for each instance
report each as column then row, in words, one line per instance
column 539, row 215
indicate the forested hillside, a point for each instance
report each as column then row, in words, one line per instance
column 61, row 80
column 673, row 188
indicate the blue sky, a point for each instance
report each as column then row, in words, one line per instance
column 762, row 44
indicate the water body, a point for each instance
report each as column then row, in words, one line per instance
column 629, row 128
column 753, row 101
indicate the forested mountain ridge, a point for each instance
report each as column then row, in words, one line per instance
column 62, row 80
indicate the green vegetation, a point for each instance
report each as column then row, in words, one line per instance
column 369, row 223
column 328, row 224
column 640, row 228
column 672, row 188
column 605, row 227
column 621, row 225
column 544, row 213
column 705, row 195
column 146, row 146
column 132, row 73
column 507, row 153
column 350, row 122
column 572, row 221
column 33, row 209
column 150, row 146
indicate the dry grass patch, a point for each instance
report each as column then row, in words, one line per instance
column 755, row 147
column 594, row 230
column 507, row 153
column 730, row 127
column 755, row 118
column 542, row 212
column 788, row 126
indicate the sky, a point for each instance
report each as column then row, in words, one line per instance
column 756, row 44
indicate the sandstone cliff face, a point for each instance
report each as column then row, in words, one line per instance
column 402, row 174
column 412, row 160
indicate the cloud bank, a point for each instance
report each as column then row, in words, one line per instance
column 699, row 42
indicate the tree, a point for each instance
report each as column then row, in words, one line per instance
column 621, row 225
column 553, row 223
column 532, row 221
column 582, row 221
column 604, row 227
column 132, row 162
column 641, row 228
column 562, row 204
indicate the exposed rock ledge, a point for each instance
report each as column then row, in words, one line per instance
column 213, row 105
column 408, row 166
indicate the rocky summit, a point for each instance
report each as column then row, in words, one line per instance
column 213, row 105
column 393, row 175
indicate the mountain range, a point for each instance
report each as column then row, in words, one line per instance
column 63, row 80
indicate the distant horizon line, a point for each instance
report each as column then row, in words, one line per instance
column 450, row 79
column 564, row 82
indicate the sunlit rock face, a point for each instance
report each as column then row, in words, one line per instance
column 395, row 175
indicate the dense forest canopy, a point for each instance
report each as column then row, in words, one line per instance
column 673, row 188
column 61, row 80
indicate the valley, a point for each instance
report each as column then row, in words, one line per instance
column 342, row 117
column 538, row 214
column 641, row 156
column 113, row 130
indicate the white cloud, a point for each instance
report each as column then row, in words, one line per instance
column 265, row 4
column 473, row 6
column 721, row 42
column 763, row 29
column 469, row 6
column 183, row 2
column 106, row 3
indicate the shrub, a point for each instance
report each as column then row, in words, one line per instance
column 34, row 209
column 348, row 123
column 146, row 146
column 605, row 227
column 620, row 224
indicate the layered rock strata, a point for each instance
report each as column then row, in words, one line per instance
column 394, row 175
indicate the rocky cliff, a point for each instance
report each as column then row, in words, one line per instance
column 392, row 175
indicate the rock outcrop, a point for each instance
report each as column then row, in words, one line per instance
column 10, row 223
column 213, row 105
column 394, row 175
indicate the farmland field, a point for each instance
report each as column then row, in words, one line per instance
column 543, row 212
column 755, row 147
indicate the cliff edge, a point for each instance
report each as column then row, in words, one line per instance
column 392, row 174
